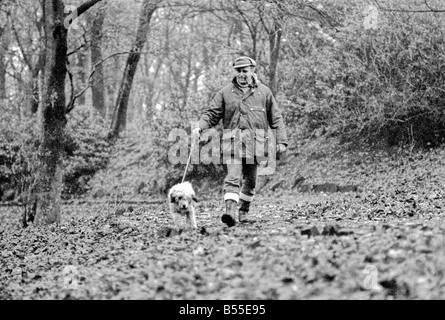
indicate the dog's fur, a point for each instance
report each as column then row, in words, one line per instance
column 182, row 199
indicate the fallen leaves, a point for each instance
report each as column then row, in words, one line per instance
column 306, row 247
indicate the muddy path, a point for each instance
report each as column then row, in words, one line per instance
column 345, row 246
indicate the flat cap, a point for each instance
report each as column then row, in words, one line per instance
column 244, row 62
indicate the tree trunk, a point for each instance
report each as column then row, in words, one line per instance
column 98, row 86
column 45, row 192
column 36, row 84
column 120, row 113
column 275, row 45
column 3, row 49
column 186, row 87
column 82, row 78
column 2, row 75
column 48, row 180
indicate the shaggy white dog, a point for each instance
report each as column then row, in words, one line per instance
column 181, row 198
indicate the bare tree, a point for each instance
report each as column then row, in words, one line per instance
column 43, row 202
column 274, row 32
column 32, row 54
column 3, row 49
column 82, row 76
column 120, row 111
column 98, row 83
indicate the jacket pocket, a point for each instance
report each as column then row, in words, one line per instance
column 257, row 117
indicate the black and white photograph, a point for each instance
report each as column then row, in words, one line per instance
column 222, row 155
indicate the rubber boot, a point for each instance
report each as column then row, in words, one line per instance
column 229, row 217
column 243, row 210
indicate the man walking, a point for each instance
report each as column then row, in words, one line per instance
column 248, row 110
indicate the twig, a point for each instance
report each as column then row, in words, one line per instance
column 76, row 50
column 74, row 97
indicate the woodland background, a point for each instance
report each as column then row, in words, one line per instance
column 354, row 211
column 348, row 73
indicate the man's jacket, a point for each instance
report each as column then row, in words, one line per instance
column 252, row 112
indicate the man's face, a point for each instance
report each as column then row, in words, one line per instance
column 244, row 75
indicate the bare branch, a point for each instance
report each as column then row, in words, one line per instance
column 243, row 16
column 86, row 6
column 74, row 97
column 263, row 22
column 325, row 17
column 76, row 50
column 429, row 10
